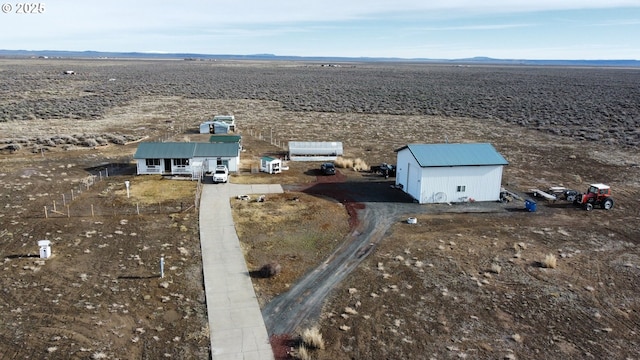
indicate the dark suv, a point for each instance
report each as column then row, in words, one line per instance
column 328, row 169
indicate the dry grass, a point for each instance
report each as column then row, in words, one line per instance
column 312, row 338
column 344, row 163
column 517, row 338
column 153, row 189
column 269, row 232
column 356, row 164
column 302, row 353
column 496, row 268
column 550, row 261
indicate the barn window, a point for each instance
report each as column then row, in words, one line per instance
column 152, row 162
column 182, row 162
column 461, row 188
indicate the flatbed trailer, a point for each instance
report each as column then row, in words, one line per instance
column 544, row 194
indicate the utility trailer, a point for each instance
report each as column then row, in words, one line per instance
column 544, row 194
column 596, row 195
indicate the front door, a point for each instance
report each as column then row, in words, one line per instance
column 167, row 166
column 221, row 161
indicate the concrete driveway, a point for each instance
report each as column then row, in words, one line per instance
column 235, row 320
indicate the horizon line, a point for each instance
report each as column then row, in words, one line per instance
column 168, row 53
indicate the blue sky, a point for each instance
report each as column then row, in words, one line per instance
column 436, row 29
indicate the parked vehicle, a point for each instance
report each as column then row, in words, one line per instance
column 596, row 195
column 386, row 170
column 221, row 174
column 328, row 169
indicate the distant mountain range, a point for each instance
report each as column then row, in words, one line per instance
column 192, row 56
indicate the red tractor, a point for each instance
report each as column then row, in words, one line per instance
column 596, row 195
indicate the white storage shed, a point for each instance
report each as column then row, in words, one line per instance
column 229, row 120
column 441, row 173
column 314, row 151
column 214, row 127
column 270, row 165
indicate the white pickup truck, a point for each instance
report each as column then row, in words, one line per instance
column 221, row 174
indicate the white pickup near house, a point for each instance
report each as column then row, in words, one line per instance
column 221, row 174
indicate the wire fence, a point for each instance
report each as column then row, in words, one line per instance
column 93, row 196
column 85, row 209
column 268, row 135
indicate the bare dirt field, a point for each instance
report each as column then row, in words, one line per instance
column 466, row 281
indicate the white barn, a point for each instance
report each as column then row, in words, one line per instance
column 441, row 173
column 314, row 151
column 185, row 158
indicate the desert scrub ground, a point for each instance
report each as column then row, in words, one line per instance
column 100, row 295
column 485, row 289
column 452, row 285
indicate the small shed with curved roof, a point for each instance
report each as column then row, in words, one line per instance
column 314, row 150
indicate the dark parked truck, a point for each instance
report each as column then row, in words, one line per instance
column 328, row 169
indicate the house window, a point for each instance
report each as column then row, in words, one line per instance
column 181, row 162
column 152, row 162
column 461, row 188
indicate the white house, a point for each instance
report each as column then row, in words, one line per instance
column 314, row 150
column 185, row 158
column 440, row 173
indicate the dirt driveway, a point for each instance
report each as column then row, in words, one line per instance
column 374, row 206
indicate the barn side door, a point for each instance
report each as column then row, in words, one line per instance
column 408, row 191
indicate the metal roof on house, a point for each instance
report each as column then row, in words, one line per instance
column 216, row 149
column 184, row 150
column 435, row 155
column 224, row 138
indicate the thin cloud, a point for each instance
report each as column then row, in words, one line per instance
column 617, row 23
column 473, row 27
column 325, row 28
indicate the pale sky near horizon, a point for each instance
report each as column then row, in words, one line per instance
column 434, row 29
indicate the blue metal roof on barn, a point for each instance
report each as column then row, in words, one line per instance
column 225, row 138
column 435, row 155
column 216, row 149
column 184, row 150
